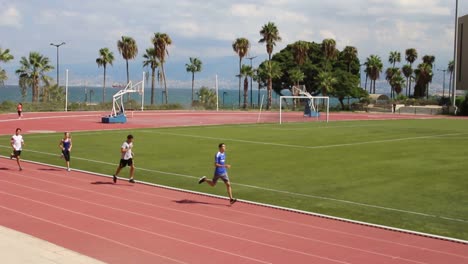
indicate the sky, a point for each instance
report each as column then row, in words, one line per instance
column 206, row 29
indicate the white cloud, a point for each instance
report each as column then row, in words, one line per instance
column 10, row 17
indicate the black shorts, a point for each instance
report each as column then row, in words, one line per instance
column 17, row 153
column 124, row 163
column 66, row 155
column 19, row 113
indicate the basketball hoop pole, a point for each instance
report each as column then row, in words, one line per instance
column 143, row 92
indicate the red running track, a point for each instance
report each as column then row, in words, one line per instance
column 136, row 223
column 85, row 121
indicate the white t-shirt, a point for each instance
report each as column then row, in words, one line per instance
column 17, row 141
column 128, row 154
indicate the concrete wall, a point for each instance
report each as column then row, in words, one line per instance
column 462, row 54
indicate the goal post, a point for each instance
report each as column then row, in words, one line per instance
column 310, row 103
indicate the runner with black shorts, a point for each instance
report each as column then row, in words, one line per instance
column 17, row 143
column 126, row 159
column 65, row 146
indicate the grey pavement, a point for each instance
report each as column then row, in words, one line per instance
column 20, row 248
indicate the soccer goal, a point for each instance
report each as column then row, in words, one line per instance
column 317, row 107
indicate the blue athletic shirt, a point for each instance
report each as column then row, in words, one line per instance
column 220, row 158
column 66, row 143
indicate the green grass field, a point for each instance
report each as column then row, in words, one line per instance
column 409, row 174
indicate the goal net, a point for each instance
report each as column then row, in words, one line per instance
column 302, row 106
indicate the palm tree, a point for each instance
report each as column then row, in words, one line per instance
column 300, row 50
column 271, row 70
column 326, row 82
column 367, row 70
column 423, row 78
column 450, row 69
column 32, row 72
column 105, row 57
column 389, row 73
column 194, row 66
column 246, row 71
column 128, row 49
column 350, row 54
column 408, row 73
column 329, row 52
column 161, row 41
column 375, row 68
column 397, row 82
column 270, row 35
column 5, row 56
column 411, row 57
column 394, row 57
column 296, row 76
column 429, row 59
column 150, row 60
column 241, row 47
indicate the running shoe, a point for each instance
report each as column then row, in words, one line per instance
column 233, row 200
column 202, row 180
column 114, row 178
column 131, row 181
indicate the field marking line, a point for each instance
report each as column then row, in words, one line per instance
column 132, row 227
column 308, row 147
column 276, row 190
column 393, row 229
column 88, row 233
column 219, row 233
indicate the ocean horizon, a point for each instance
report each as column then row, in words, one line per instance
column 183, row 96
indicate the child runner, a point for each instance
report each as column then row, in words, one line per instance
column 19, row 108
column 65, row 146
column 220, row 172
column 126, row 159
column 17, row 144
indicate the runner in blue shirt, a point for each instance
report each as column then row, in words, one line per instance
column 220, row 172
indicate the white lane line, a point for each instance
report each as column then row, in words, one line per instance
column 89, row 234
column 241, row 212
column 133, row 228
column 278, row 191
column 219, row 233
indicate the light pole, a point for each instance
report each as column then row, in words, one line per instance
column 443, row 84
column 251, row 80
column 454, row 82
column 57, row 46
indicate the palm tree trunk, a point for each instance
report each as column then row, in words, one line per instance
column 246, row 89
column 365, row 85
column 35, row 90
column 193, row 85
column 128, row 80
column 153, row 72
column 240, row 67
column 450, row 85
column 104, row 86
column 270, row 88
column 165, row 83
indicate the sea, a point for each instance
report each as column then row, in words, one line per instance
column 228, row 98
